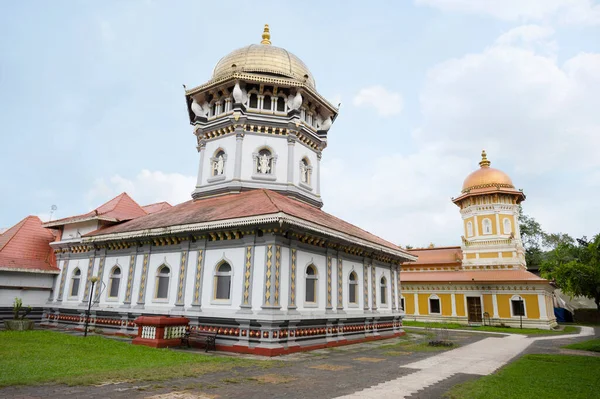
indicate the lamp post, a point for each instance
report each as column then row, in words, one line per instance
column 93, row 280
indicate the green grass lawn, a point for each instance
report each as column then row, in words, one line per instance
column 537, row 376
column 592, row 345
column 457, row 326
column 34, row 357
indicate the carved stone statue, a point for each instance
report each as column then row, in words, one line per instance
column 326, row 124
column 294, row 102
column 238, row 94
column 200, row 110
column 219, row 164
column 263, row 164
column 303, row 173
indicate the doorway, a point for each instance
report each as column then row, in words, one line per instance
column 474, row 309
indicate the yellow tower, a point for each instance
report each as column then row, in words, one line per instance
column 489, row 205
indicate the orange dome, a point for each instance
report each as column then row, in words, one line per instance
column 486, row 177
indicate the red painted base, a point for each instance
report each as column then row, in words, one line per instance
column 157, row 343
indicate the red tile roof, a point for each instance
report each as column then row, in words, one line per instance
column 26, row 246
column 118, row 209
column 242, row 205
column 437, row 256
column 157, row 207
column 462, row 276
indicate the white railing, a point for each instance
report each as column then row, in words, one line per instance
column 149, row 332
column 174, row 332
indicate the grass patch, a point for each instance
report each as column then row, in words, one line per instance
column 537, row 376
column 510, row 330
column 592, row 345
column 35, row 357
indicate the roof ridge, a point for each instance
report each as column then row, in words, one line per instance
column 271, row 199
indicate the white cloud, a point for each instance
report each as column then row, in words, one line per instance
column 145, row 188
column 385, row 102
column 572, row 12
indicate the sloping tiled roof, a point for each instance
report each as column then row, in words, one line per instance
column 437, row 256
column 242, row 205
column 26, row 246
column 118, row 209
column 157, row 207
column 462, row 276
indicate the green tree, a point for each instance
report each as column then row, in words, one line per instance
column 575, row 267
column 533, row 238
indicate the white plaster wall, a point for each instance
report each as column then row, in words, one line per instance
column 190, row 277
column 320, row 261
column 36, row 288
column 258, row 277
column 227, row 144
column 253, row 143
column 70, row 230
column 381, row 271
column 73, row 264
column 109, row 264
column 284, row 279
column 347, row 267
column 171, row 259
column 235, row 257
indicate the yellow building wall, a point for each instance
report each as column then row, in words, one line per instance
column 471, row 256
column 488, row 255
column 507, row 254
column 492, row 218
column 488, row 304
column 503, row 301
column 465, row 226
column 532, row 306
column 446, row 302
column 460, row 304
column 424, row 304
column 409, row 304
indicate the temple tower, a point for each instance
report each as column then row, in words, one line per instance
column 489, row 205
column 260, row 123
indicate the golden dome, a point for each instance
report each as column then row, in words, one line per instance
column 486, row 177
column 264, row 59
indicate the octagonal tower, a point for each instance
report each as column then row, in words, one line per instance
column 489, row 205
column 260, row 123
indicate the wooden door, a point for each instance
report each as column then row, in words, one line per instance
column 474, row 309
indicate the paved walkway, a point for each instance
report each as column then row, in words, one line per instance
column 479, row 358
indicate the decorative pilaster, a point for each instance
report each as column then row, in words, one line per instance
column 90, row 271
column 292, row 289
column 291, row 140
column 247, row 289
column 143, row 281
column 340, row 285
column 101, row 278
column 239, row 139
column 63, row 277
column 329, row 275
column 182, row 276
column 201, row 149
column 393, row 284
column 268, row 274
column 197, row 301
column 130, row 275
column 373, row 288
column 277, row 273
column 319, row 155
column 365, row 285
column 399, row 287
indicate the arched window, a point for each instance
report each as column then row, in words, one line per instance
column 305, row 171
column 311, row 284
column 469, row 229
column 114, row 281
column 353, row 288
column 487, row 226
column 222, row 287
column 383, row 290
column 75, row 279
column 163, row 275
column 267, row 102
column 507, row 226
column 218, row 163
column 434, row 305
column 253, row 102
column 280, row 104
column 213, row 109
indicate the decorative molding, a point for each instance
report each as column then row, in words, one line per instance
column 373, row 287
column 246, row 298
column 292, row 301
column 340, row 285
column 329, row 301
column 181, row 278
column 277, row 273
column 143, row 280
column 130, row 274
column 100, row 277
column 63, row 277
column 198, row 279
column 365, row 286
column 268, row 274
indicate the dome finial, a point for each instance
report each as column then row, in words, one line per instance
column 484, row 161
column 266, row 36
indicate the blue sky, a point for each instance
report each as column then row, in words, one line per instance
column 91, row 103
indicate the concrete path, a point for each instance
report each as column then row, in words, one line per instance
column 480, row 358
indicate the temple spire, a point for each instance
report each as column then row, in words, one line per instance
column 266, row 36
column 484, row 161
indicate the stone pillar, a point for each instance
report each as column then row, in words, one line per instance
column 141, row 300
column 130, row 275
column 292, row 296
column 198, row 276
column 318, row 192
column 181, row 280
column 89, row 274
column 340, row 285
column 393, row 284
column 291, row 140
column 329, row 304
column 495, row 306
column 63, row 277
column 100, row 277
column 239, row 140
column 201, row 149
column 416, row 299
column 365, row 285
column 373, row 288
column 271, row 293
column 453, row 299
column 246, row 304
